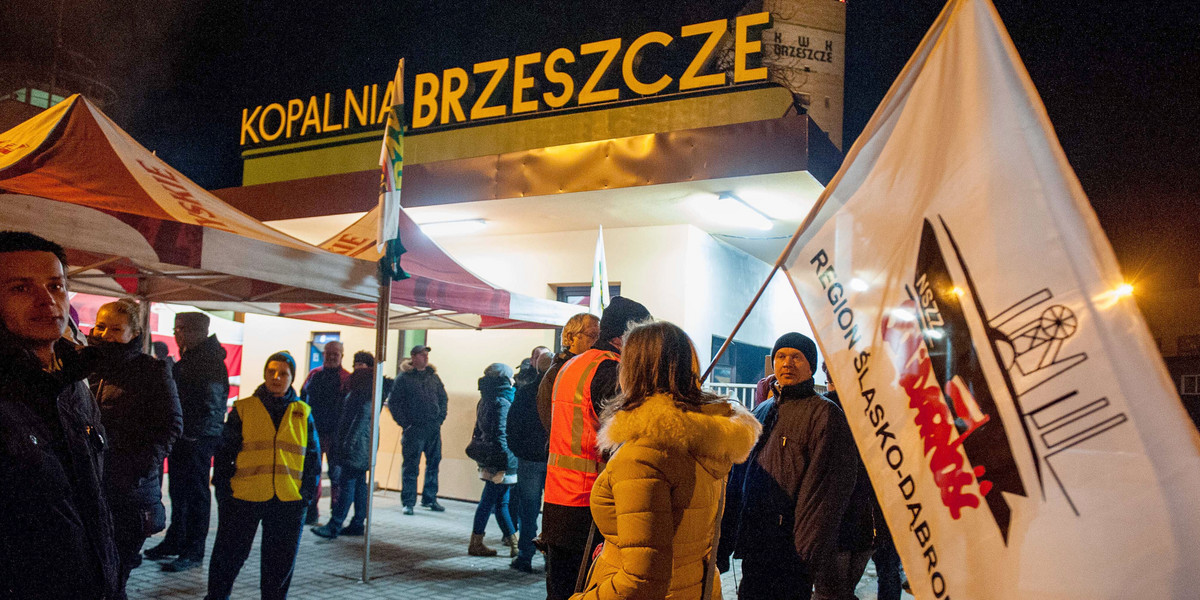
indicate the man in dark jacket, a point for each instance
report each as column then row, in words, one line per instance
column 322, row 390
column 350, row 451
column 527, row 439
column 418, row 403
column 56, row 536
column 839, row 575
column 203, row 384
column 790, row 497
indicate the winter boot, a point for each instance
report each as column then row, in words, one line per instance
column 477, row 548
column 511, row 542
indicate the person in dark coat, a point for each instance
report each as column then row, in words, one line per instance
column 528, row 440
column 788, row 501
column 859, row 520
column 140, row 411
column 497, row 464
column 350, row 451
column 323, row 391
column 839, row 575
column 418, row 403
column 263, row 432
column 203, row 384
column 56, row 535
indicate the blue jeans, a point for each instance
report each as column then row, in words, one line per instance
column 352, row 486
column 531, row 481
column 493, row 500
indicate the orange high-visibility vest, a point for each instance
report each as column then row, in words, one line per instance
column 270, row 463
column 574, row 463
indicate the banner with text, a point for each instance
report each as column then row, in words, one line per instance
column 1018, row 424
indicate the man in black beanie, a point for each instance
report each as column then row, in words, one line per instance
column 582, row 387
column 789, row 498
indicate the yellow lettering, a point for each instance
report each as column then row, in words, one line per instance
column 522, row 83
column 248, row 124
column 631, row 54
column 425, row 100
column 277, row 107
column 312, row 116
column 704, row 57
column 589, row 95
column 325, row 126
column 481, row 110
column 563, row 79
column 374, row 100
column 386, row 106
column 360, row 110
column 454, row 85
column 293, row 115
column 743, row 48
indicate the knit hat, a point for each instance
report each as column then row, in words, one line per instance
column 798, row 341
column 498, row 370
column 283, row 357
column 619, row 315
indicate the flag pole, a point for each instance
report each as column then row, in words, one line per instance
column 787, row 250
column 381, row 329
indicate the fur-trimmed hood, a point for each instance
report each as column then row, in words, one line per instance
column 717, row 435
column 406, row 366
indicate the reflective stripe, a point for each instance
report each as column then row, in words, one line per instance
column 270, row 462
column 273, row 445
column 271, row 469
column 585, row 384
column 574, row 463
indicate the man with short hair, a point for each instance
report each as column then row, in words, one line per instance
column 790, row 498
column 418, row 403
column 322, row 390
column 56, row 535
column 581, row 389
column 203, row 383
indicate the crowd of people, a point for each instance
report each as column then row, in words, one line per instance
column 646, row 484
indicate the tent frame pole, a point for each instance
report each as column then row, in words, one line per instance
column 381, row 333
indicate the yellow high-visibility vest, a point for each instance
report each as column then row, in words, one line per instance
column 271, row 461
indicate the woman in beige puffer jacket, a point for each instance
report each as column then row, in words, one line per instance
column 657, row 501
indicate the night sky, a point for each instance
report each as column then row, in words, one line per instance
column 1120, row 80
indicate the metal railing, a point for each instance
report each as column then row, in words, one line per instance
column 742, row 392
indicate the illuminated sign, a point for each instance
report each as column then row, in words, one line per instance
column 592, row 74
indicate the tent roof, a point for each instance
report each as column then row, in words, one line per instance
column 134, row 225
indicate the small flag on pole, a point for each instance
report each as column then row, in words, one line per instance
column 599, row 295
column 391, row 160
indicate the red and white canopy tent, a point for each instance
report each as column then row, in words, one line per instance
column 134, row 225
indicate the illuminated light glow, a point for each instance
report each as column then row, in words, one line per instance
column 461, row 227
column 728, row 211
column 1124, row 289
column 902, row 314
column 859, row 285
column 957, row 291
column 934, row 334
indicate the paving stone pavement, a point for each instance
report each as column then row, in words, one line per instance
column 420, row 556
